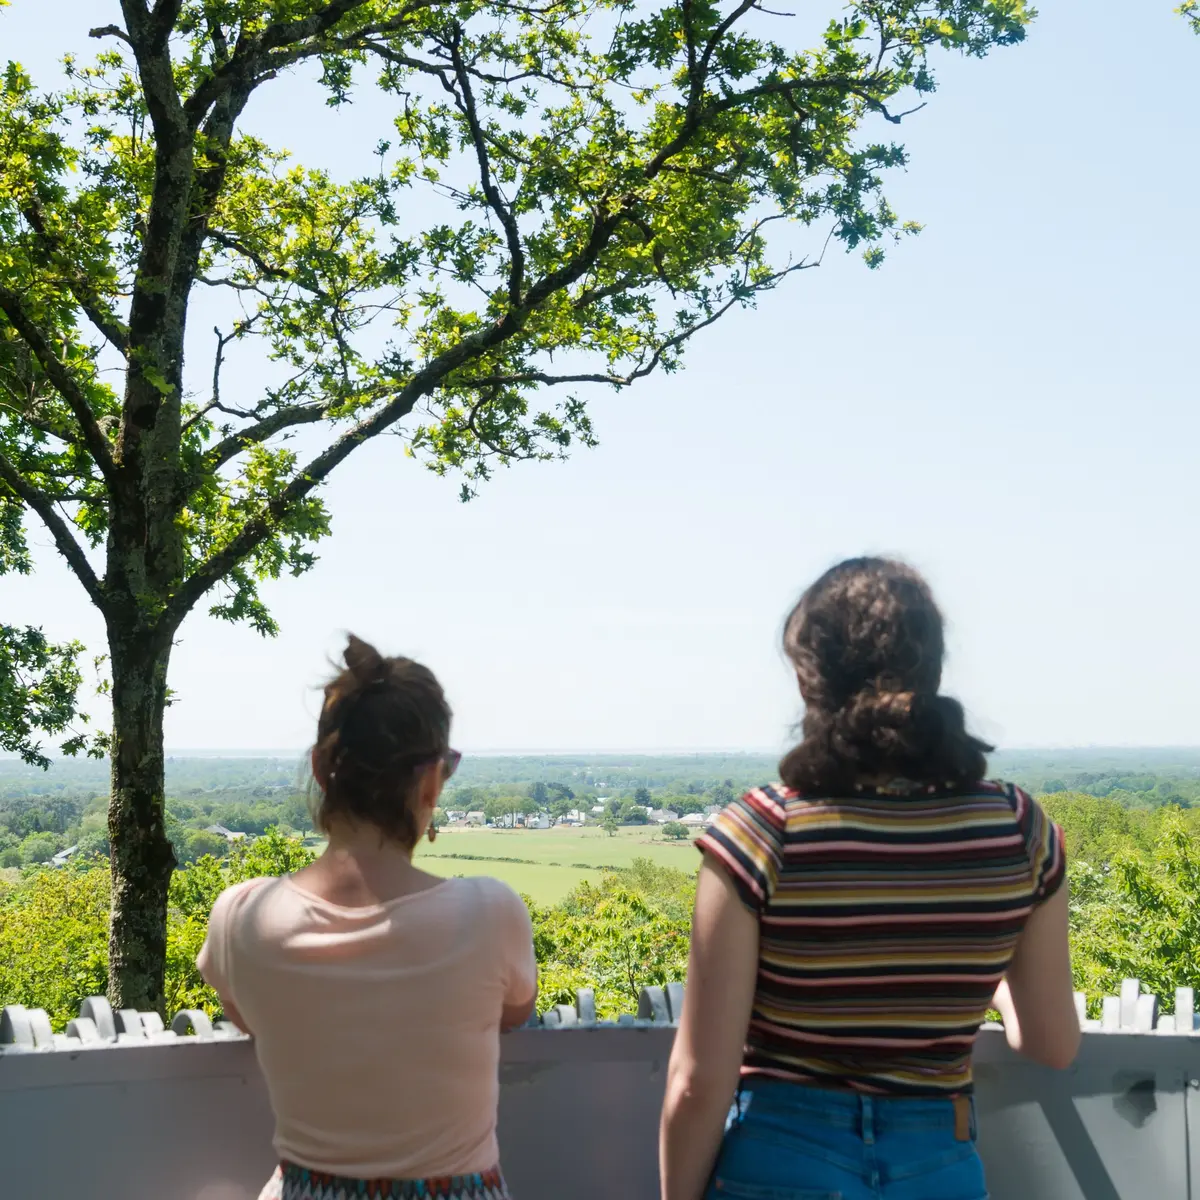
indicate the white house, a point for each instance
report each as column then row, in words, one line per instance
column 537, row 821
column 660, row 816
column 597, row 809
column 456, row 816
column 476, row 818
column 60, row 859
column 574, row 817
column 228, row 834
column 696, row 820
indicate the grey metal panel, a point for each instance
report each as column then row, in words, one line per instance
column 579, row 1113
column 1192, row 1108
column 1113, row 1127
column 578, row 1119
column 135, row 1123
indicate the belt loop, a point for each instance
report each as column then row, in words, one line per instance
column 868, row 1120
column 963, row 1118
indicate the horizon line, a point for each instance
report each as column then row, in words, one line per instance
column 269, row 752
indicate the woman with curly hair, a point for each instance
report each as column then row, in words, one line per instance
column 376, row 993
column 855, row 922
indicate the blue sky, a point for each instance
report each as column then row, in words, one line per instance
column 1010, row 403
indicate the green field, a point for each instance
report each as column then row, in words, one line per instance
column 551, row 861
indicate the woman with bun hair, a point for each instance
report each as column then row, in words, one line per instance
column 375, row 992
column 855, row 922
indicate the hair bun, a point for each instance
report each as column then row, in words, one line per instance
column 887, row 720
column 364, row 662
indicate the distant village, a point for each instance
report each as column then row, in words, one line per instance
column 595, row 815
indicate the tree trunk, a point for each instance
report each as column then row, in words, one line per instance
column 141, row 855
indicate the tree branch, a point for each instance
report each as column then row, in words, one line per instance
column 223, row 340
column 647, row 366
column 516, row 267
column 694, row 118
column 68, row 547
column 249, row 52
column 104, row 31
column 258, row 528
column 283, row 418
column 229, row 242
column 388, row 54
column 64, row 384
column 149, row 36
column 518, row 377
column 85, row 295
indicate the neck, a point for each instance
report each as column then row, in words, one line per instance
column 351, row 840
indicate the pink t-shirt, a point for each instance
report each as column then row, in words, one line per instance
column 377, row 1028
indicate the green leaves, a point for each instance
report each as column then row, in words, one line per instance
column 629, row 931
column 39, row 683
column 1138, row 916
column 54, row 940
column 1190, row 11
column 600, row 183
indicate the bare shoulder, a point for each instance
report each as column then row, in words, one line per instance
column 233, row 896
column 495, row 893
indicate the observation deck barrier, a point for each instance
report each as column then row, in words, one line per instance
column 119, row 1108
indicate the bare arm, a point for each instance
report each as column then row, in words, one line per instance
column 513, row 1016
column 1036, row 997
column 232, row 1014
column 515, row 934
column 707, row 1057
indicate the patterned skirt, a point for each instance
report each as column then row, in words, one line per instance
column 291, row 1182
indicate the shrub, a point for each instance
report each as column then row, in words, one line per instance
column 628, row 931
column 54, row 940
column 39, row 848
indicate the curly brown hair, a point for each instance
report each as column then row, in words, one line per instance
column 867, row 644
column 383, row 720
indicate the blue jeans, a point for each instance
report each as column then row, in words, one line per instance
column 785, row 1141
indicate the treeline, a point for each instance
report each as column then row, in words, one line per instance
column 34, row 828
column 43, row 813
column 1135, row 911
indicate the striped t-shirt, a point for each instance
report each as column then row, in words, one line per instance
column 886, row 921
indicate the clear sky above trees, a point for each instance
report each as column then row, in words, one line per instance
column 1037, row 407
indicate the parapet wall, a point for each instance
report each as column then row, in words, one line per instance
column 188, row 1118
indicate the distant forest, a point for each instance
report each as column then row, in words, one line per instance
column 44, row 812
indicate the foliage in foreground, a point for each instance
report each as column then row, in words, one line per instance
column 54, row 928
column 1135, row 881
column 627, row 931
column 1138, row 917
column 618, row 936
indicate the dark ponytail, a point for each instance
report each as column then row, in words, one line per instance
column 867, row 644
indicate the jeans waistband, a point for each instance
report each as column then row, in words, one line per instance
column 852, row 1110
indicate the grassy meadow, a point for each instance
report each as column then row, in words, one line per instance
column 546, row 864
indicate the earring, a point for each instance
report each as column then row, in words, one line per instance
column 431, row 833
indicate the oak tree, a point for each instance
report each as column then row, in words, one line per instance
column 613, row 179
